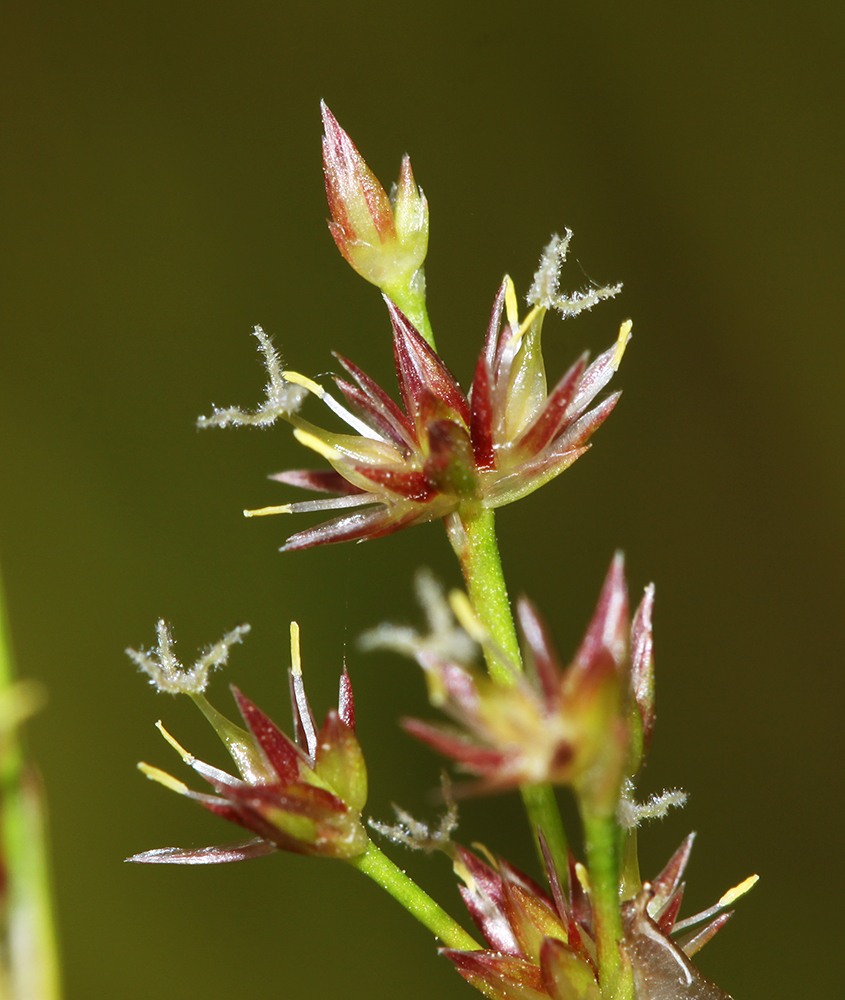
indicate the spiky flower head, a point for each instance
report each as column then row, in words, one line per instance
column 442, row 450
column 303, row 795
column 579, row 726
column 542, row 943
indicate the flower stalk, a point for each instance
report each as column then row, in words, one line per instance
column 376, row 865
column 472, row 534
column 601, row 845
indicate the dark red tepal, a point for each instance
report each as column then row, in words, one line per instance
column 304, row 796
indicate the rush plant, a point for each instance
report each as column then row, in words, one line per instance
column 518, row 715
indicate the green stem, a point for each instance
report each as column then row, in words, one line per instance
column 381, row 869
column 29, row 951
column 409, row 295
column 472, row 533
column 601, row 839
column 543, row 814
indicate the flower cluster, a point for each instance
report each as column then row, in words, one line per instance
column 304, row 796
column 543, row 944
column 585, row 726
column 442, row 448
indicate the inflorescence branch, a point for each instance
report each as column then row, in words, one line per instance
column 533, row 721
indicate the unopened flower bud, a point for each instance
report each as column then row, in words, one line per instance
column 384, row 239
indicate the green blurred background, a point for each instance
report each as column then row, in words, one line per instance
column 162, row 193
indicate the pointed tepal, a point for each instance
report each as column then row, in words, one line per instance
column 661, row 970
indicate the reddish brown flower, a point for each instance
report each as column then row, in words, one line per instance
column 541, row 944
column 304, row 796
column 550, row 724
column 442, row 448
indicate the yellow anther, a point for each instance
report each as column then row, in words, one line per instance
column 285, row 508
column 621, row 343
column 583, row 876
column 511, row 308
column 529, row 319
column 315, row 444
column 522, row 329
column 306, row 383
column 732, row 895
column 295, row 654
column 464, row 874
column 183, row 753
column 483, row 849
column 163, row 778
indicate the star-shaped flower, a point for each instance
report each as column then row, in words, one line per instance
column 442, row 448
column 582, row 725
column 304, row 796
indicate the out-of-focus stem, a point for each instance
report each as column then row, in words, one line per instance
column 472, row 533
column 381, row 869
column 601, row 841
column 543, row 814
column 29, row 951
